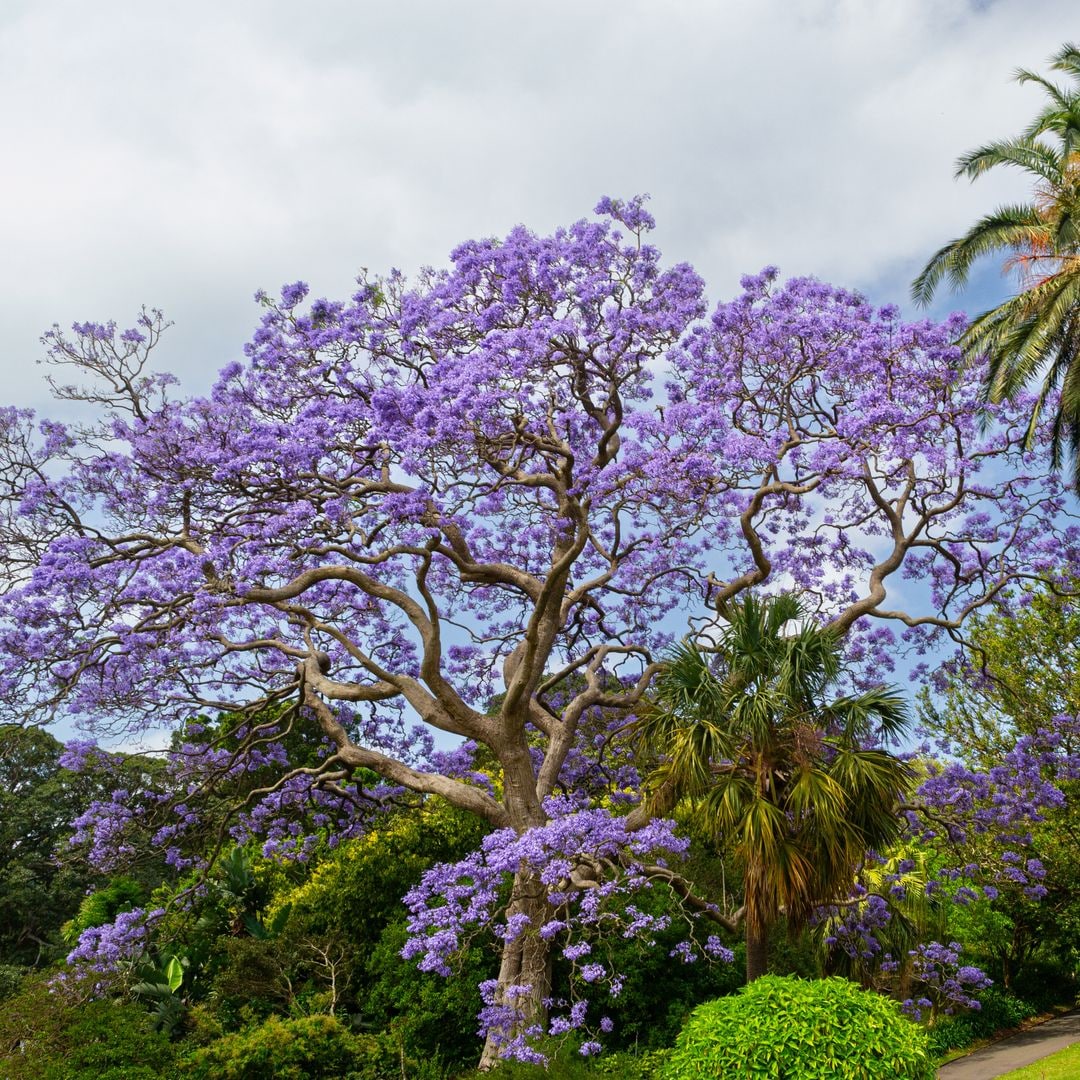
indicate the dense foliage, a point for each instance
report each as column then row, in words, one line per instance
column 317, row 1047
column 1018, row 686
column 45, row 1035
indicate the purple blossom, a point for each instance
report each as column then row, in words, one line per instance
column 104, row 949
column 949, row 985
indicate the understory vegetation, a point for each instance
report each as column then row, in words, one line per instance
column 268, row 968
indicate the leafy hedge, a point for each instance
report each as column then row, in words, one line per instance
column 44, row 1035
column 305, row 1048
column 999, row 1011
column 790, row 1029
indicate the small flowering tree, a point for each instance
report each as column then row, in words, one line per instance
column 520, row 476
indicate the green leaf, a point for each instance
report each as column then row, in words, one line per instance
column 254, row 927
column 174, row 974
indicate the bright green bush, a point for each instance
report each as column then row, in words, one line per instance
column 306, row 1048
column 793, row 1029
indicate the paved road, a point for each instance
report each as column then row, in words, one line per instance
column 1017, row 1051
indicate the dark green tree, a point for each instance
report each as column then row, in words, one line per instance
column 38, row 800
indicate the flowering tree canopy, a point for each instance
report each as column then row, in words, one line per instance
column 517, row 476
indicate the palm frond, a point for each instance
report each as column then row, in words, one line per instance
column 1027, row 154
column 857, row 716
column 1053, row 91
column 1009, row 229
column 1067, row 59
column 1018, row 335
column 813, row 791
column 1033, row 335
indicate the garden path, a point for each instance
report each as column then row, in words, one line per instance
column 1016, row 1051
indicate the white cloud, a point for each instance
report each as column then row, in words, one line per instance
column 184, row 155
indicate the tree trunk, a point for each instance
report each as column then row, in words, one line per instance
column 757, row 950
column 526, row 962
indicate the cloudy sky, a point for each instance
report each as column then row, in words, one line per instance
column 182, row 155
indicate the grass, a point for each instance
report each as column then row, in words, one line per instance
column 1064, row 1065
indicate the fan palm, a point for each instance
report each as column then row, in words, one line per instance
column 1036, row 332
column 786, row 778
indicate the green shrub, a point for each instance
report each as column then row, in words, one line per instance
column 790, row 1029
column 627, row 1066
column 998, row 1011
column 11, row 977
column 949, row 1033
column 252, row 980
column 432, row 1016
column 49, row 1036
column 306, row 1047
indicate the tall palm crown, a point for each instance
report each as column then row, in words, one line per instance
column 1038, row 330
column 784, row 777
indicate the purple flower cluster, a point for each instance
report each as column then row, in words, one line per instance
column 589, row 865
column 476, row 384
column 857, row 929
column 572, row 857
column 947, row 984
column 1001, row 803
column 508, row 1025
column 105, row 949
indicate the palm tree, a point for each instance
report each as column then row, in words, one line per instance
column 1036, row 332
column 788, row 780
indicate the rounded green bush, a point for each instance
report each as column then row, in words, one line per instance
column 303, row 1048
column 794, row 1029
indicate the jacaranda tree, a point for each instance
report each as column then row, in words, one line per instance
column 518, row 477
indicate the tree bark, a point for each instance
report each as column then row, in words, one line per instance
column 526, row 962
column 757, row 950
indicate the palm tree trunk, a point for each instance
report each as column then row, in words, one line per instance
column 757, row 950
